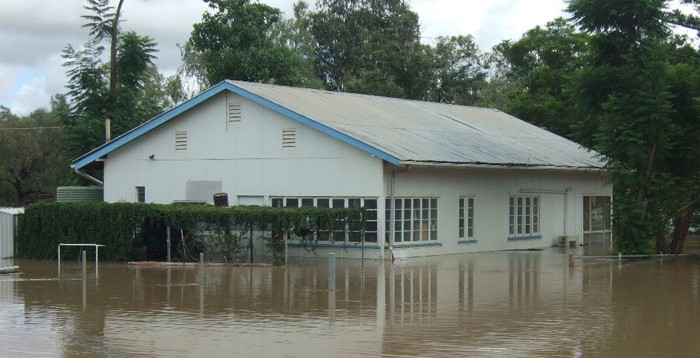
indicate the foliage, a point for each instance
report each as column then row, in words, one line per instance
column 124, row 227
column 235, row 42
column 32, row 163
column 370, row 47
column 295, row 34
column 460, row 71
column 127, row 90
column 640, row 114
column 542, row 65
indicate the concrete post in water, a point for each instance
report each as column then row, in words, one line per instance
column 331, row 271
column 201, row 269
column 167, row 232
column 571, row 259
column 619, row 256
column 84, row 265
column 331, row 288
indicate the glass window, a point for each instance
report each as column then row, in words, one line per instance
column 466, row 217
column 140, row 194
column 415, row 219
column 523, row 215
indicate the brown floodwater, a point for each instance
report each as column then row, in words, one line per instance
column 498, row 304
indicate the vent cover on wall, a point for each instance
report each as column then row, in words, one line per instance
column 289, row 138
column 234, row 112
column 181, row 140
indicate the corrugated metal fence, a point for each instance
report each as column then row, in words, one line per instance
column 8, row 228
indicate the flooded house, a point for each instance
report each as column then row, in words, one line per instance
column 434, row 178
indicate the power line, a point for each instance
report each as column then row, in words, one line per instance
column 29, row 128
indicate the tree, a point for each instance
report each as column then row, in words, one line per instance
column 235, row 42
column 371, row 47
column 33, row 163
column 542, row 65
column 111, row 92
column 640, row 118
column 295, row 34
column 460, row 71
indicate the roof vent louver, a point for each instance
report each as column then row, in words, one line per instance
column 181, row 140
column 234, row 112
column 289, row 138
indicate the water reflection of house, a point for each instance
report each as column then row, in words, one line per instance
column 435, row 178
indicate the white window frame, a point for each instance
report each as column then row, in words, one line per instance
column 346, row 237
column 413, row 224
column 524, row 215
column 466, row 217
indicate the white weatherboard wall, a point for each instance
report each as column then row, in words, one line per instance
column 246, row 156
column 491, row 189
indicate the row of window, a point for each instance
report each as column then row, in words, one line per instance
column 415, row 219
column 370, row 205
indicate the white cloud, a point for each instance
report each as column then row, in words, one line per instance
column 34, row 32
column 30, row 96
column 9, row 75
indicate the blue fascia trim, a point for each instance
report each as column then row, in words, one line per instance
column 420, row 244
column 313, row 124
column 349, row 245
column 136, row 132
column 528, row 237
column 464, row 242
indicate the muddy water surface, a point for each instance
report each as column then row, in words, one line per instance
column 503, row 304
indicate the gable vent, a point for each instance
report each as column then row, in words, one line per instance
column 234, row 112
column 181, row 140
column 289, row 138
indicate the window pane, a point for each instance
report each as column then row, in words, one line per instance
column 371, row 214
column 323, row 203
column 307, row 202
column 276, row 202
column 371, row 237
column 292, row 202
column 371, row 226
column 370, row 203
column 338, row 203
column 354, row 203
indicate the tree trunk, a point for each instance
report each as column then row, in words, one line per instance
column 113, row 70
column 681, row 225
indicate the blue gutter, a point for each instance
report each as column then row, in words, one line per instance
column 166, row 116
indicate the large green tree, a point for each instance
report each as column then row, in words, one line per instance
column 542, row 65
column 295, row 34
column 460, row 71
column 235, row 41
column 372, row 47
column 110, row 97
column 33, row 163
column 640, row 114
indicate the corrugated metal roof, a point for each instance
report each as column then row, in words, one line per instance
column 431, row 133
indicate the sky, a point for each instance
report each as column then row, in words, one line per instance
column 34, row 32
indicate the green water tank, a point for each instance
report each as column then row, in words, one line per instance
column 79, row 194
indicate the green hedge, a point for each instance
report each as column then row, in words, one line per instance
column 127, row 228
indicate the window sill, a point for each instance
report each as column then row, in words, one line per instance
column 466, row 242
column 528, row 237
column 368, row 245
column 418, row 244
